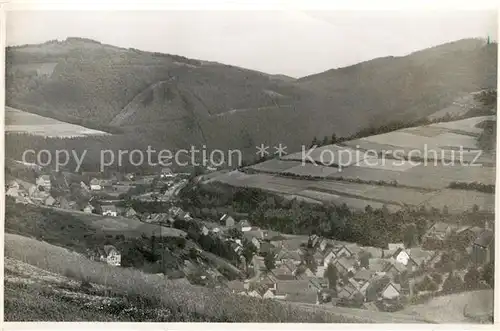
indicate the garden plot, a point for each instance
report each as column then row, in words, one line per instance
column 467, row 125
column 330, row 155
column 461, row 200
column 308, row 169
column 275, row 165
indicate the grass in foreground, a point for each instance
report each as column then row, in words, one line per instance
column 190, row 303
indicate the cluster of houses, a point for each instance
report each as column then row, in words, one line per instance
column 58, row 190
column 477, row 241
column 364, row 274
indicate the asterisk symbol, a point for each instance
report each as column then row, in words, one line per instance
column 262, row 150
column 280, row 150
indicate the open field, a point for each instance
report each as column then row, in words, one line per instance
column 23, row 122
column 309, row 169
column 475, row 306
column 211, row 304
column 377, row 180
column 460, row 200
column 458, row 107
column 275, row 165
column 467, row 125
column 330, row 155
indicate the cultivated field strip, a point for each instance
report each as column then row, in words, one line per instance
column 330, row 155
column 19, row 121
column 274, row 165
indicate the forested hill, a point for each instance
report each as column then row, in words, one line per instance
column 177, row 101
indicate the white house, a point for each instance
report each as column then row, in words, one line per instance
column 44, row 181
column 12, row 192
column 95, row 184
column 88, row 209
column 329, row 258
column 244, row 226
column 402, row 257
column 109, row 254
column 109, row 210
column 166, row 173
column 391, row 291
column 49, row 201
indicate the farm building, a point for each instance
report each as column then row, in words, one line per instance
column 95, row 184
column 108, row 254
column 109, row 210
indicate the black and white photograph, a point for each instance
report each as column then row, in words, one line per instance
column 250, row 165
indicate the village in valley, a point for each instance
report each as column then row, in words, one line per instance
column 307, row 269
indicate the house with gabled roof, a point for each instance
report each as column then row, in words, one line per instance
column 483, row 248
column 166, row 173
column 348, row 251
column 95, row 184
column 376, row 286
column 130, row 212
column 303, row 272
column 45, row 182
column 108, row 254
column 419, row 257
column 320, row 271
column 330, row 257
column 109, row 210
column 285, row 256
column 88, row 209
column 244, row 226
column 345, row 265
column 347, row 291
column 437, row 234
column 49, row 201
column 228, row 220
column 391, row 291
column 377, row 265
column 363, row 275
column 394, row 268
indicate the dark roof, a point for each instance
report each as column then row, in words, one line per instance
column 377, row 285
column 363, row 274
column 109, row 248
column 291, row 286
column 108, row 208
column 485, row 239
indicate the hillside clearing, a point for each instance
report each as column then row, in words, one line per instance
column 23, row 122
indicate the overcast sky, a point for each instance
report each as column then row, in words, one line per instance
column 294, row 43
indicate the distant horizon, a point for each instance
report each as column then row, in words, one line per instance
column 229, row 64
column 293, row 44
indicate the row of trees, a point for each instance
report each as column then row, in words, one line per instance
column 474, row 186
column 370, row 227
